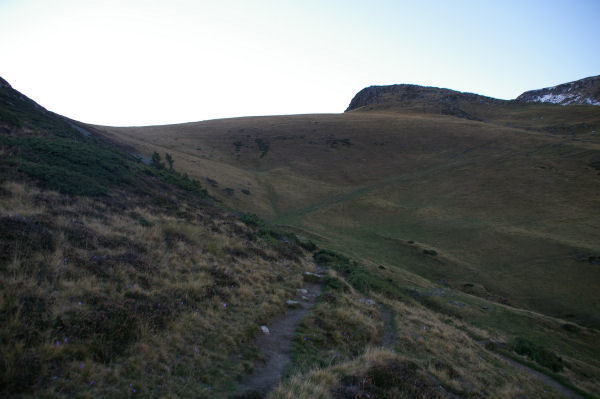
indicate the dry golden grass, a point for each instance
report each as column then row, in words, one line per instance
column 441, row 349
column 509, row 203
column 508, row 207
column 431, row 353
column 102, row 297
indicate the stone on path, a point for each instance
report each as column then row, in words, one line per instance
column 367, row 301
column 293, row 304
column 312, row 277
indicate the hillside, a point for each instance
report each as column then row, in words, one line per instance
column 482, row 194
column 120, row 279
column 583, row 91
column 449, row 245
column 500, row 205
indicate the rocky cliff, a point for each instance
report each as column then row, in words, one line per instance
column 583, row 91
column 405, row 94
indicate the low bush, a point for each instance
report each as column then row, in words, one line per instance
column 251, row 219
column 23, row 236
column 389, row 379
column 539, row 354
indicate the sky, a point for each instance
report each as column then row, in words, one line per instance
column 146, row 62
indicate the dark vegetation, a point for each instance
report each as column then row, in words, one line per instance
column 71, row 166
column 263, row 147
column 275, row 235
column 52, row 151
column 538, row 353
column 334, row 143
column 356, row 274
column 388, row 380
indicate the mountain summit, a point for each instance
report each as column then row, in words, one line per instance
column 583, row 91
column 408, row 95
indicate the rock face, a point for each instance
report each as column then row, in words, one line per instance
column 404, row 94
column 448, row 102
column 583, row 91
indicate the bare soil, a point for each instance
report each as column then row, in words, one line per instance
column 275, row 346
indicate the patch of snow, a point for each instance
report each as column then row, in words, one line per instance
column 553, row 98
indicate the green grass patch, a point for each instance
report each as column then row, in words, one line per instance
column 333, row 332
column 69, row 166
column 84, row 166
column 357, row 274
column 538, row 353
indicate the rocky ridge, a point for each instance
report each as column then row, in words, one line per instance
column 583, row 91
column 407, row 94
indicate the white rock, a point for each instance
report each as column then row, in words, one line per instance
column 367, row 301
column 312, row 277
column 265, row 329
column 302, row 291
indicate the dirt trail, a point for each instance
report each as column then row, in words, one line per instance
column 388, row 337
column 558, row 387
column 275, row 346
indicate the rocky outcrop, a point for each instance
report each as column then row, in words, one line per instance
column 583, row 91
column 448, row 102
column 407, row 95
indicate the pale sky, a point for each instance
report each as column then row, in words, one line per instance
column 141, row 62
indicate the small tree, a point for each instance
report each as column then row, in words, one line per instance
column 156, row 162
column 169, row 160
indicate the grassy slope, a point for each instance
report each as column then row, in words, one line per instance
column 119, row 279
column 508, row 208
column 509, row 203
column 135, row 276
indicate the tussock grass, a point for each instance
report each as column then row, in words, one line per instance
column 95, row 303
column 433, row 346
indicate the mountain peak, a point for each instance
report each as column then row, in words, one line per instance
column 583, row 91
column 408, row 95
